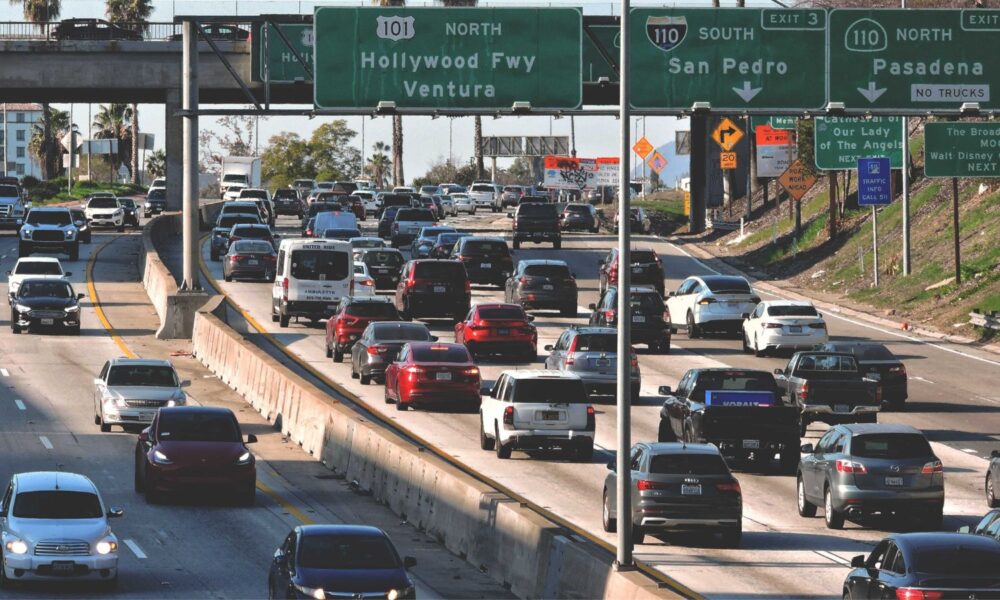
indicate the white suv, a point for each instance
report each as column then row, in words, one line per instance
column 534, row 410
column 55, row 527
column 105, row 211
column 34, row 267
column 714, row 303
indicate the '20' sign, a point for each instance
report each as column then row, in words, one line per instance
column 395, row 28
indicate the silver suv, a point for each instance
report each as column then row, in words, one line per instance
column 858, row 470
column 129, row 392
column 591, row 353
column 55, row 526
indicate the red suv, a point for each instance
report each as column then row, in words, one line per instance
column 498, row 329
column 352, row 317
column 433, row 373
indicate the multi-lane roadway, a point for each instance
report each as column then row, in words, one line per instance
column 954, row 398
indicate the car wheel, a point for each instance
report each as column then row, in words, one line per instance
column 638, row 534
column 806, row 508
column 5, row 583
column 732, row 537
column 248, row 497
column 121, row 228
column 105, row 427
column 665, row 433
column 283, row 320
column 834, row 519
column 803, row 426
column 503, row 450
column 557, row 244
column 137, row 479
column 609, row 523
column 400, row 405
column 338, row 356
column 354, row 373
column 153, row 496
column 485, row 441
column 15, row 329
column 74, row 253
column 517, row 244
column 227, row 277
column 692, row 330
column 585, row 452
column 746, row 345
column 213, row 255
column 365, row 378
column 568, row 311
column 757, row 350
column 329, row 351
column 789, row 460
column 991, row 494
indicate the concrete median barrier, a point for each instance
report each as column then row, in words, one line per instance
column 520, row 548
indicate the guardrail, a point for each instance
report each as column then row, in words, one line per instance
column 992, row 320
column 51, row 32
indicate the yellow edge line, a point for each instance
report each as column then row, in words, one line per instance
column 285, row 504
column 659, row 576
column 96, row 300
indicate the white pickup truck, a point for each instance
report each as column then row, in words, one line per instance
column 536, row 409
column 482, row 195
column 34, row 267
column 408, row 223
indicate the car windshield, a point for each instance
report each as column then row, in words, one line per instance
column 441, row 353
column 262, row 194
column 688, row 464
column 147, row 375
column 252, row 246
column 384, row 310
column 791, row 311
column 34, row 267
column 891, row 445
column 479, row 248
column 956, row 561
column 228, row 221
column 577, row 208
column 642, row 256
column 832, row 362
column 415, row 214
column 321, row 265
column 322, row 207
column 596, row 342
column 503, row 312
column 48, row 217
column 558, row 391
column 346, row 552
column 259, row 233
column 554, row 271
column 157, row 194
column 341, row 234
column 45, row 289
column 450, row 238
column 647, row 304
column 103, row 203
column 127, row 202
column 727, row 285
column 197, row 426
column 402, row 332
column 534, row 209
column 392, row 259
column 57, row 504
column 440, row 271
column 8, row 191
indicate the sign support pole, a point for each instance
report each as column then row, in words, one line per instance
column 954, row 226
column 875, row 244
column 906, row 187
column 189, row 99
column 623, row 501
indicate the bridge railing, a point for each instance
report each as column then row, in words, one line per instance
column 55, row 31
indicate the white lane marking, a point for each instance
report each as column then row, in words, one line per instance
column 45, row 442
column 20, row 405
column 5, row 372
column 969, row 450
column 918, row 378
column 833, row 557
column 135, row 549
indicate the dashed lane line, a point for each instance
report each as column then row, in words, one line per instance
column 20, row 405
column 5, row 372
column 134, row 547
column 45, row 442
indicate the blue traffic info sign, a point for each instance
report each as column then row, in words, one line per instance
column 874, row 181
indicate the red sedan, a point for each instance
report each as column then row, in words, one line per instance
column 195, row 447
column 352, row 317
column 433, row 373
column 498, row 329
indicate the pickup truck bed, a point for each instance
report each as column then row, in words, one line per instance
column 832, row 396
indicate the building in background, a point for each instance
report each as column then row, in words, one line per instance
column 16, row 120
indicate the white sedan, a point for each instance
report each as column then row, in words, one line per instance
column 711, row 303
column 364, row 285
column 462, row 203
column 783, row 325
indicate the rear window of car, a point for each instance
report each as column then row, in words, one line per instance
column 450, row 238
column 415, row 214
column 578, row 208
column 252, row 246
column 564, row 391
column 732, row 380
column 647, row 303
column 440, row 271
column 827, row 363
column 596, row 342
column 285, row 194
column 534, row 209
column 37, row 268
column 321, row 265
column 441, row 354
column 253, row 194
column 373, row 309
column 230, row 220
column 389, row 213
column 688, row 464
column 547, row 271
column 403, row 332
column 890, row 445
column 506, row 312
column 483, row 188
column 251, row 232
column 322, row 207
column 393, row 259
column 642, row 256
column 483, row 247
column 791, row 311
column 57, row 504
column 727, row 285
column 341, row 234
column 961, row 561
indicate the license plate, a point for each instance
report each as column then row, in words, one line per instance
column 603, row 362
column 485, row 265
column 63, row 566
column 439, row 289
column 795, row 329
column 537, row 236
column 638, row 319
column 503, row 331
column 841, row 408
column 690, row 490
column 548, row 287
column 446, row 376
column 637, row 269
column 47, row 321
column 382, row 270
column 751, row 444
column 331, row 307
column 894, row 481
column 253, row 262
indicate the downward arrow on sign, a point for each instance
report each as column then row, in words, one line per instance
column 871, row 93
column 746, row 92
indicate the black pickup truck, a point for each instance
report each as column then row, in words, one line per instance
column 536, row 222
column 830, row 388
column 740, row 411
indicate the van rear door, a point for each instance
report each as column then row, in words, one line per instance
column 320, row 273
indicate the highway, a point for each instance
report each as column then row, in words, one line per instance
column 953, row 398
column 198, row 546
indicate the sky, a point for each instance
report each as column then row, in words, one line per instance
column 426, row 140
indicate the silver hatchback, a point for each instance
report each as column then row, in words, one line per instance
column 592, row 353
column 860, row 470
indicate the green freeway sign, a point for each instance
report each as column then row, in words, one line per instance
column 774, row 122
column 841, row 141
column 962, row 149
column 448, row 57
column 914, row 59
column 732, row 58
column 282, row 65
column 595, row 65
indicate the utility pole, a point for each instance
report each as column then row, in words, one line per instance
column 69, row 168
column 623, row 500
column 4, row 139
column 189, row 99
column 906, row 188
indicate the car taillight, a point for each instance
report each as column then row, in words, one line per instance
column 410, row 283
column 284, row 289
column 915, row 594
column 804, row 390
column 732, row 487
column 309, row 233
column 235, row 258
column 878, row 393
column 934, row 466
column 415, row 372
column 522, row 280
column 468, row 287
column 704, row 301
column 772, row 326
column 847, row 466
column 645, row 485
column 591, row 419
column 613, row 273
column 471, row 371
column 508, row 415
column 634, row 361
column 900, row 370
column 273, row 258
column 818, row 325
column 374, row 350
column 609, row 315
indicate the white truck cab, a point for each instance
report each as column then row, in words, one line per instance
column 312, row 277
column 33, row 267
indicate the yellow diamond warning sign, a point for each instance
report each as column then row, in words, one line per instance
column 797, row 180
column 726, row 134
column 642, row 147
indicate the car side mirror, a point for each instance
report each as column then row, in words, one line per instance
column 434, row 338
column 612, row 466
column 531, row 318
column 9, row 273
column 592, row 306
column 186, row 383
column 251, row 438
column 807, row 449
column 746, row 316
column 409, row 562
column 778, row 372
column 279, row 556
column 66, row 274
column 510, row 215
column 486, row 390
column 664, row 390
column 995, row 454
column 548, row 347
column 671, row 294
column 98, row 381
column 79, row 296
column 115, row 512
column 858, row 562
column 965, row 529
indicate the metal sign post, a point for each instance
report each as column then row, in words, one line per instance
column 875, row 189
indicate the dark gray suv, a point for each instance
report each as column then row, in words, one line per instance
column 591, row 353
column 859, row 470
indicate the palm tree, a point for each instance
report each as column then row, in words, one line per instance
column 379, row 164
column 397, row 120
column 41, row 12
column 137, row 13
column 112, row 123
column 156, row 164
column 53, row 124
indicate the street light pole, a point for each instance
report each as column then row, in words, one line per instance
column 906, row 188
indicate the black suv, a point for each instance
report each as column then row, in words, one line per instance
column 650, row 320
column 579, row 217
column 156, row 202
column 433, row 288
column 486, row 259
column 287, row 202
column 386, row 220
column 536, row 222
column 646, row 268
column 543, row 284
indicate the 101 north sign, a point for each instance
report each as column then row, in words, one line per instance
column 448, row 57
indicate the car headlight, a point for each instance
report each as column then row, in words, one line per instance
column 161, row 458
column 106, row 547
column 22, row 308
column 245, row 459
column 316, row 593
column 26, row 233
column 17, row 546
column 70, row 233
column 74, row 308
column 401, row 593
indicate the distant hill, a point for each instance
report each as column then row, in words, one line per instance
column 677, row 166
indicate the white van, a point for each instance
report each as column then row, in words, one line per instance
column 335, row 219
column 312, row 277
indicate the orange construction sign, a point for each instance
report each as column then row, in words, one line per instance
column 656, row 162
column 769, row 136
column 727, row 160
column 797, row 180
column 642, row 147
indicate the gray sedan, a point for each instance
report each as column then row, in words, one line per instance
column 858, row 470
column 677, row 487
column 380, row 344
column 591, row 353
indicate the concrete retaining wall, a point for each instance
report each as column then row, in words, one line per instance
column 521, row 549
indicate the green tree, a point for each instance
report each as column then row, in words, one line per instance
column 53, row 124
column 113, row 122
column 331, row 152
column 136, row 13
column 379, row 164
column 43, row 11
column 287, row 156
column 156, row 164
